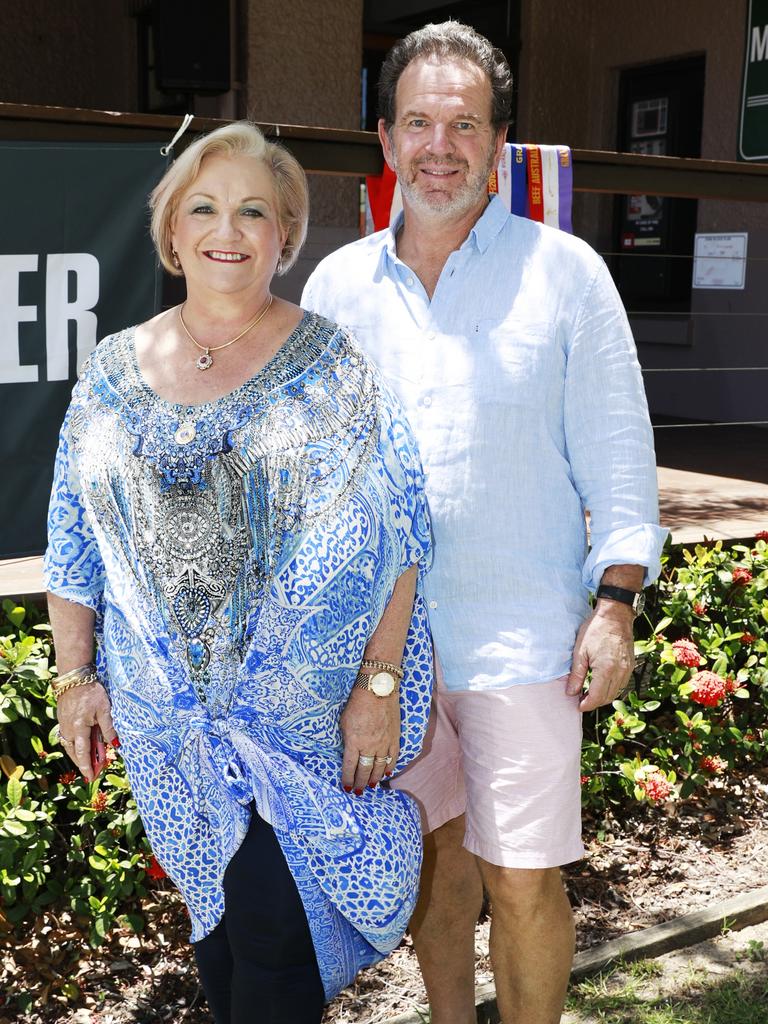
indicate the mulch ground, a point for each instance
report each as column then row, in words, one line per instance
column 664, row 863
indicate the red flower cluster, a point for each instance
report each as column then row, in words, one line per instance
column 748, row 638
column 686, row 653
column 154, row 870
column 761, row 535
column 99, row 802
column 709, row 689
column 67, row 778
column 713, row 764
column 699, row 608
column 741, row 577
column 656, row 787
column 43, row 754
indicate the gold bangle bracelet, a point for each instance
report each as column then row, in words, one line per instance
column 74, row 673
column 76, row 677
column 82, row 681
column 382, row 666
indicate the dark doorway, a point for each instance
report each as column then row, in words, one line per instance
column 660, row 113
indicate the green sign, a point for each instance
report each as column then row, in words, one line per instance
column 76, row 264
column 753, row 132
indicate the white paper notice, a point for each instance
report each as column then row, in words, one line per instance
column 720, row 261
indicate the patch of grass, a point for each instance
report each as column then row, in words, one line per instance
column 619, row 998
column 641, row 970
column 755, row 951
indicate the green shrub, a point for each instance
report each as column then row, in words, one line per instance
column 698, row 706
column 64, row 844
column 78, row 848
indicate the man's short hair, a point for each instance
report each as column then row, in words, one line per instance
column 451, row 40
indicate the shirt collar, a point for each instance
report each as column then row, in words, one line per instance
column 489, row 224
column 485, row 229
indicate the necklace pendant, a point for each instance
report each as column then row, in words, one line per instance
column 185, row 433
column 204, row 361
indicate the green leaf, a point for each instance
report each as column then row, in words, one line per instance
column 118, row 781
column 15, row 615
column 135, row 921
column 13, row 828
column 98, row 863
column 15, row 787
column 721, row 665
column 70, row 990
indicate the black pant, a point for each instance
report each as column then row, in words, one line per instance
column 259, row 964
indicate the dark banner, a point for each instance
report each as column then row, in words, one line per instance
column 76, row 264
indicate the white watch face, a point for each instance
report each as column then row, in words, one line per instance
column 382, row 684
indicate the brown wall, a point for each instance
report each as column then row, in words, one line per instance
column 303, row 67
column 68, row 53
column 571, row 57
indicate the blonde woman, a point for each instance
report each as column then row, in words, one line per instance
column 238, row 523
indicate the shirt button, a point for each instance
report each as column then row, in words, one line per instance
column 409, row 282
column 433, row 604
column 426, row 400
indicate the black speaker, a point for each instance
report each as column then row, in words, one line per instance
column 191, row 45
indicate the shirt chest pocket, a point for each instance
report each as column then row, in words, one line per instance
column 523, row 360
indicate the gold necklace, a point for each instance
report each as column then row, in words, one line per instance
column 205, row 361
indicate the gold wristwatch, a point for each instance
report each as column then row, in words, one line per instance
column 382, row 678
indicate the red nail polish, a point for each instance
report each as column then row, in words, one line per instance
column 372, row 785
column 387, row 774
column 358, row 792
column 115, row 742
column 347, row 789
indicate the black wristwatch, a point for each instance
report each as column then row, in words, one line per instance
column 635, row 601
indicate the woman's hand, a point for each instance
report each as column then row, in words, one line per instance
column 370, row 726
column 78, row 710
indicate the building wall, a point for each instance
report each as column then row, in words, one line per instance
column 571, row 58
column 305, row 69
column 68, row 53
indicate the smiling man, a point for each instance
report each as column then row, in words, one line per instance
column 510, row 349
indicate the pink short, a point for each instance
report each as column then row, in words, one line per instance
column 509, row 759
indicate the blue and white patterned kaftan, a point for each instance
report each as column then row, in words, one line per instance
column 239, row 554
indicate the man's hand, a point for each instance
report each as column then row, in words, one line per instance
column 78, row 710
column 604, row 644
column 370, row 726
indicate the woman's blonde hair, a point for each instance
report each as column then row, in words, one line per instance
column 238, row 139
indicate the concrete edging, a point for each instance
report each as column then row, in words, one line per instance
column 733, row 914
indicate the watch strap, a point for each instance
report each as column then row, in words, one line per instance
column 621, row 594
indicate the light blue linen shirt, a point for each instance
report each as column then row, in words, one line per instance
column 521, row 382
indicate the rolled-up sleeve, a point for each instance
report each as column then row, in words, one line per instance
column 72, row 567
column 609, row 437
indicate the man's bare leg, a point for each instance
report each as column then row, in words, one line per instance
column 532, row 942
column 443, row 924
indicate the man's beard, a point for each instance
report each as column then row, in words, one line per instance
column 439, row 204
